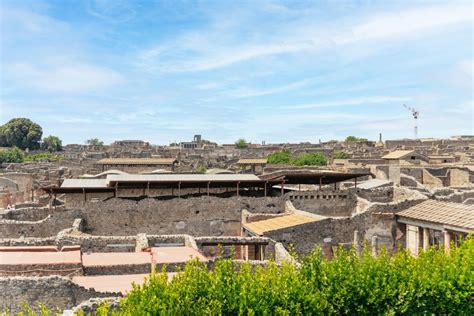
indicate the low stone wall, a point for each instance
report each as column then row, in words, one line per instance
column 118, row 269
column 326, row 203
column 65, row 269
column 47, row 227
column 381, row 194
column 54, row 292
column 27, row 214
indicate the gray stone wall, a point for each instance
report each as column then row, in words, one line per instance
column 326, row 203
column 54, row 292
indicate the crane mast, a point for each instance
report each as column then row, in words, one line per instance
column 415, row 115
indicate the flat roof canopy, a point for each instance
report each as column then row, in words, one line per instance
column 137, row 161
column 205, row 180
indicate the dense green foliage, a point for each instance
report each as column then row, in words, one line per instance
column 241, row 143
column 355, row 139
column 20, row 132
column 52, row 143
column 284, row 157
column 40, row 156
column 95, row 142
column 13, row 154
column 316, row 159
column 341, row 155
column 279, row 157
column 432, row 283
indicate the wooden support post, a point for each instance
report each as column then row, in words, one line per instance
column 148, row 189
column 282, row 188
column 116, row 189
column 335, row 186
column 238, row 184
column 426, row 238
column 84, row 194
column 320, row 183
column 265, row 188
column 355, row 183
column 208, row 183
column 179, row 189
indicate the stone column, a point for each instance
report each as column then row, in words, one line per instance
column 327, row 248
column 356, row 241
column 426, row 238
column 447, row 241
column 374, row 245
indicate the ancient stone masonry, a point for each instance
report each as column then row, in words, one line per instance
column 54, row 292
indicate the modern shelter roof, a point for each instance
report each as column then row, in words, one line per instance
column 84, row 183
column 137, row 161
column 252, row 161
column 398, row 154
column 279, row 222
column 440, row 212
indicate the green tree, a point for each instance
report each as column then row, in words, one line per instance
column 341, row 155
column 316, row 159
column 355, row 139
column 95, row 142
column 279, row 157
column 13, row 154
column 241, row 143
column 22, row 133
column 52, row 143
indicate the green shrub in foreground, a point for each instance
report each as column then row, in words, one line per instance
column 433, row 283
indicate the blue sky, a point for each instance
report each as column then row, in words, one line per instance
column 286, row 71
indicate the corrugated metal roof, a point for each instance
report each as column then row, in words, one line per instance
column 182, row 178
column 398, row 154
column 137, row 161
column 84, row 183
column 90, row 176
column 447, row 213
column 252, row 161
column 279, row 222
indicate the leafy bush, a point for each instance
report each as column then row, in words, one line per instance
column 40, row 156
column 8, row 155
column 341, row 155
column 241, row 143
column 432, row 283
column 94, row 142
column 280, row 157
column 316, row 159
column 355, row 139
column 52, row 143
column 201, row 169
column 435, row 282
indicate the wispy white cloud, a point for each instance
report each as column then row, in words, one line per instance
column 353, row 101
column 215, row 48
column 63, row 77
column 253, row 92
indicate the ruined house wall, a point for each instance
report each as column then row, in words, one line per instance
column 458, row 178
column 378, row 220
column 24, row 181
column 327, row 203
column 27, row 214
column 47, row 227
column 381, row 194
column 204, row 216
column 54, row 292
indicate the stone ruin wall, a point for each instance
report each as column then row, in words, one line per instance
column 54, row 292
column 204, row 216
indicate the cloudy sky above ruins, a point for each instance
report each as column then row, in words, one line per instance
column 263, row 70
